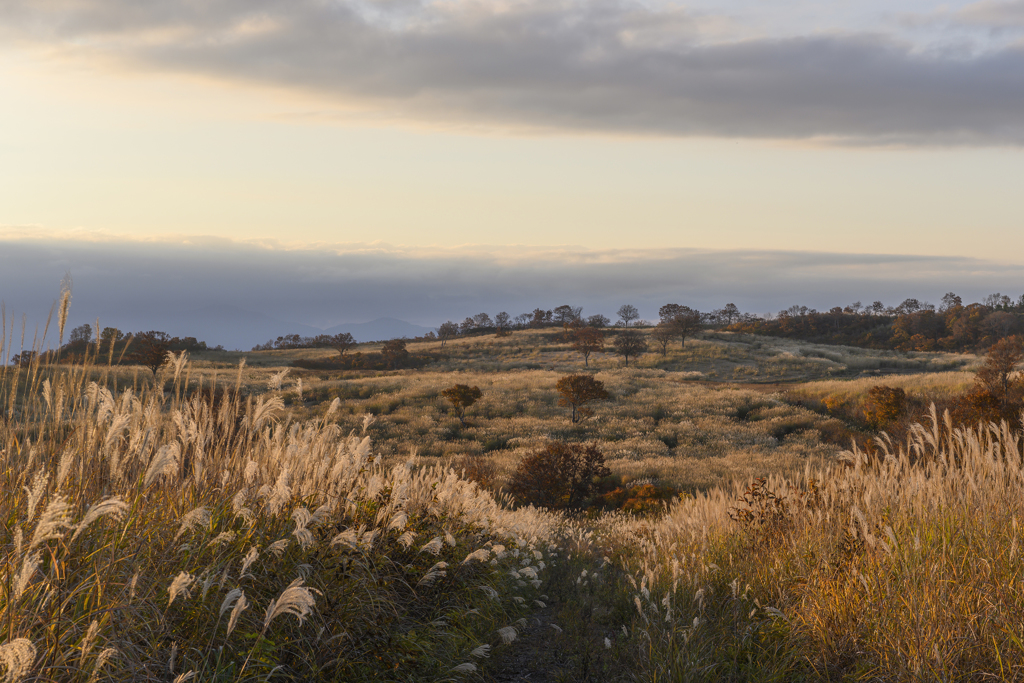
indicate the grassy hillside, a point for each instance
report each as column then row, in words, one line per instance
column 257, row 521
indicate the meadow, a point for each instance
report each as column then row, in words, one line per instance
column 231, row 520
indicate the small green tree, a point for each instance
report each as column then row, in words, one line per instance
column 462, row 396
column 579, row 390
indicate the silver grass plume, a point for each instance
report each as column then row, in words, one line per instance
column 164, row 462
column 185, row 677
column 278, row 547
column 240, row 606
column 465, row 668
column 249, row 558
column 35, row 492
column 112, row 507
column 17, row 657
column 435, row 572
column 52, row 522
column 65, row 304
column 196, row 518
column 507, row 634
column 180, row 586
column 105, row 655
column 29, row 565
column 296, row 600
column 88, row 641
column 482, row 651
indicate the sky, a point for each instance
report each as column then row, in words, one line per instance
column 436, row 158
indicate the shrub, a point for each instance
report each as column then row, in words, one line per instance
column 559, row 476
column 886, row 405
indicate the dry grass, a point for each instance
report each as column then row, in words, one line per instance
column 199, row 525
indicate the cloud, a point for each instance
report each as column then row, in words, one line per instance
column 238, row 294
column 605, row 66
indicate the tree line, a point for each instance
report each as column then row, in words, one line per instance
column 912, row 325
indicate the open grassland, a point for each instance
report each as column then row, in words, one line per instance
column 258, row 522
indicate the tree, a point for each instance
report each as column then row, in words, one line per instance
column 679, row 322
column 482, row 321
column 577, row 391
column 540, row 317
column 663, row 336
column 503, row 323
column 950, row 300
column 566, row 314
column 586, row 340
column 630, row 343
column 729, row 313
column 447, row 330
column 343, row 341
column 150, row 349
column 467, row 326
column 394, row 353
column 462, row 396
column 81, row 334
column 627, row 313
column 598, row 321
column 996, row 377
column 562, row 475
column 523, row 320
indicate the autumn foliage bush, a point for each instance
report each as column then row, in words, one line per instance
column 561, row 475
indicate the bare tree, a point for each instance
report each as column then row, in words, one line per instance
column 447, row 330
column 627, row 313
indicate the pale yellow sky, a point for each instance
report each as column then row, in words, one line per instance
column 87, row 145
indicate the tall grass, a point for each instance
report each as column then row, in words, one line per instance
column 166, row 535
column 901, row 568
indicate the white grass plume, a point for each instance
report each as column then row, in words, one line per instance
column 52, row 523
column 17, row 657
column 88, row 641
column 29, row 565
column 296, row 600
column 195, row 519
column 164, row 463
column 507, row 634
column 105, row 655
column 180, row 586
column 114, row 508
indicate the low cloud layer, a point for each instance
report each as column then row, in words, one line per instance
column 239, row 294
column 610, row 66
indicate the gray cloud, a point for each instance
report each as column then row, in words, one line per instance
column 606, row 66
column 239, row 294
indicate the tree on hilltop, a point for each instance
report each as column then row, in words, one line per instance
column 627, row 313
column 447, row 330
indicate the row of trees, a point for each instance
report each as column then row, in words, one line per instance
column 341, row 342
column 913, row 325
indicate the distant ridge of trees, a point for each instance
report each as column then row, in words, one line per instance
column 913, row 325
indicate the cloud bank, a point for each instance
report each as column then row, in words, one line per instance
column 606, row 66
column 239, row 294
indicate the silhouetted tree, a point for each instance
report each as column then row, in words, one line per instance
column 81, row 334
column 627, row 313
column 565, row 314
column 630, row 343
column 577, row 391
column 343, row 341
column 447, row 330
column 503, row 324
column 462, row 396
column 150, row 349
column 598, row 321
column 394, row 353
